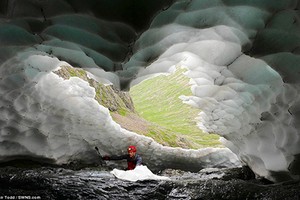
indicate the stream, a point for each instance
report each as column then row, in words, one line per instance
column 48, row 182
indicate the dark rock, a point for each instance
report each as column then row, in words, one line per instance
column 94, row 183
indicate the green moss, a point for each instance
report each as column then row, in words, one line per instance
column 77, row 72
column 122, row 111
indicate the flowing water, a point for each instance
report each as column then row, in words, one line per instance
column 99, row 183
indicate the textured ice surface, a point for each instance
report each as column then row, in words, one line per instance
column 59, row 120
column 242, row 58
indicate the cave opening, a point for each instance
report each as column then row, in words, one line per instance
column 159, row 113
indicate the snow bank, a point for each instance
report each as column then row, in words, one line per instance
column 140, row 173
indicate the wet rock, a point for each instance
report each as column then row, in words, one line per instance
column 98, row 183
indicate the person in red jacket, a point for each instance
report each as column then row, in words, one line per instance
column 133, row 159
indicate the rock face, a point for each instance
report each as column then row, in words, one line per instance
column 107, row 95
column 242, row 58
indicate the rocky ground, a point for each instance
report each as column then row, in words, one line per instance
column 97, row 183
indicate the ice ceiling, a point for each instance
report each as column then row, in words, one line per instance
column 242, row 58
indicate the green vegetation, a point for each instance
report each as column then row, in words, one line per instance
column 152, row 108
column 157, row 101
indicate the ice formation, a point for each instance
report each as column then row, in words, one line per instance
column 242, row 60
column 138, row 174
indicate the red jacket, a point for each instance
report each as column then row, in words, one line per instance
column 131, row 162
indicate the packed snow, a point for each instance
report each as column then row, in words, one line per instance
column 139, row 173
column 242, row 58
column 49, row 117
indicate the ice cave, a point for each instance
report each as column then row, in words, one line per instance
column 242, row 58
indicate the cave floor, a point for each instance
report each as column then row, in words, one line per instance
column 99, row 183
